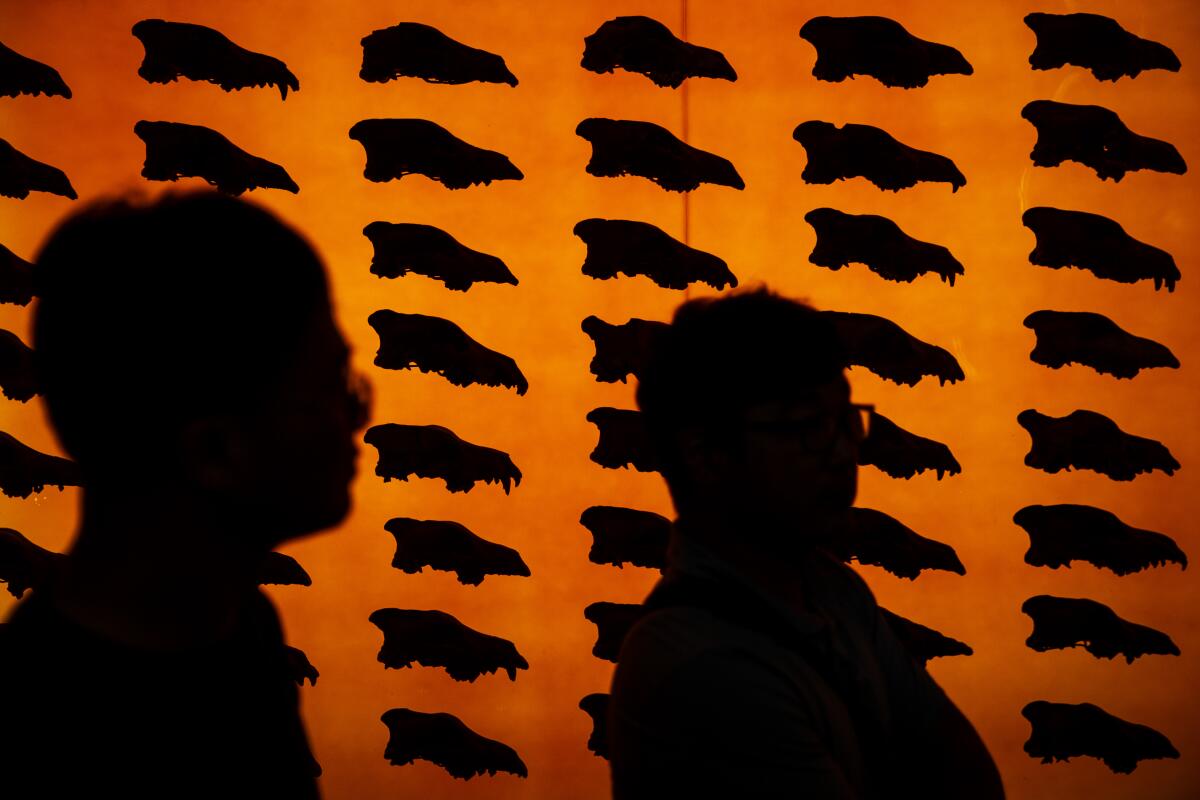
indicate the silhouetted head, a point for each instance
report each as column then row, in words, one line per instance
column 747, row 405
column 186, row 346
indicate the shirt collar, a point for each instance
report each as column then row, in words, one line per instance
column 688, row 556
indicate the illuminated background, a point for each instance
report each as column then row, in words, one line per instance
column 760, row 232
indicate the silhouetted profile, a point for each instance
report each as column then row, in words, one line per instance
column 450, row 547
column 444, row 740
column 627, row 536
column 191, row 366
column 879, row 47
column 22, row 75
column 433, row 344
column 1097, row 138
column 872, row 537
column 1096, row 43
column 20, row 175
column 1089, row 440
column 879, row 243
column 183, row 50
column 414, row 50
column 645, row 45
column 921, row 642
column 638, row 248
column 1060, row 534
column 1062, row 731
column 25, row 471
column 17, row 378
column 1097, row 244
column 1061, row 622
column 761, row 664
column 437, row 639
column 404, row 247
column 1093, row 340
column 631, row 147
column 902, row 454
column 16, row 278
column 175, row 150
column 399, row 147
column 892, row 353
column 431, row 451
column 864, row 151
column 623, row 442
column 596, row 707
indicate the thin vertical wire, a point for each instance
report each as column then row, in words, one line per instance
column 683, row 96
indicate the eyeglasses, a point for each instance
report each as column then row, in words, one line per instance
column 818, row 433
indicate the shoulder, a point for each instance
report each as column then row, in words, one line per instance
column 673, row 636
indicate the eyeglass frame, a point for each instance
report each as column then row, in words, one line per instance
column 858, row 431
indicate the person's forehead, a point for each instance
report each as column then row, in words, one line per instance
column 829, row 397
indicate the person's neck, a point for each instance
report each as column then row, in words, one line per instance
column 156, row 571
column 768, row 552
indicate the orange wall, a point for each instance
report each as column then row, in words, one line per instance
column 761, row 233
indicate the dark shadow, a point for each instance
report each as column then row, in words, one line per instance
column 1062, row 731
column 22, row 75
column 437, row 639
column 646, row 46
column 433, row 344
column 864, row 151
column 1087, row 439
column 20, row 175
column 1061, row 534
column 183, row 50
column 451, row 547
column 432, row 451
column 881, row 48
column 414, row 50
column 399, row 147
column 175, row 150
column 1060, row 622
column 1094, row 340
column 1096, row 244
column 631, row 147
column 879, row 243
column 1095, row 43
column 404, row 247
column 1095, row 137
column 444, row 739
column 628, row 247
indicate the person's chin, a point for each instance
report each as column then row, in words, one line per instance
column 838, row 498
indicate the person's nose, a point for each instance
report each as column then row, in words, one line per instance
column 359, row 395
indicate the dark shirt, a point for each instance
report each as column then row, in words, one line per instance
column 767, row 701
column 83, row 716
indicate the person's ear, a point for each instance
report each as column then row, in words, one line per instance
column 213, row 453
column 703, row 460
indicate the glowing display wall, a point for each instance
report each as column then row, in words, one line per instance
column 761, row 234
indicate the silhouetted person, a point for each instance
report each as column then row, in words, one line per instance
column 764, row 668
column 192, row 367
